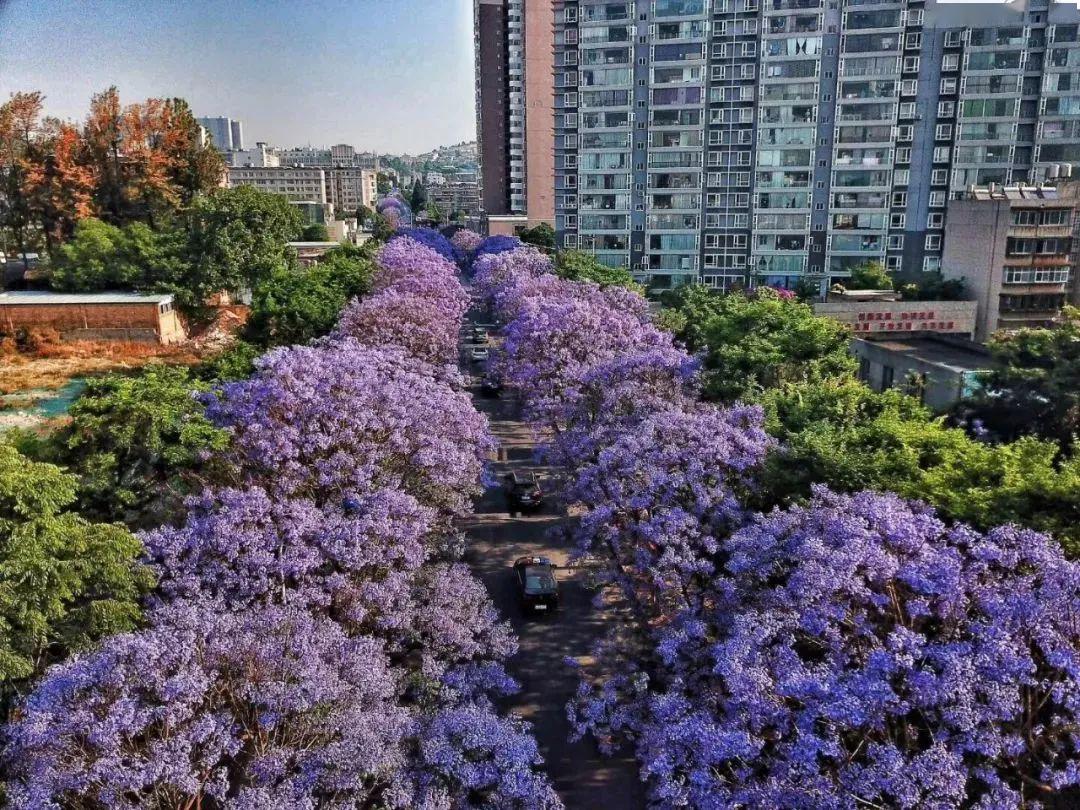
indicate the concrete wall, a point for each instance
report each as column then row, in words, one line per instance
column 975, row 252
column 96, row 318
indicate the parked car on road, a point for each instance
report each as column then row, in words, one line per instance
column 538, row 590
column 479, row 354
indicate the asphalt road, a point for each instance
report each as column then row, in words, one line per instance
column 582, row 777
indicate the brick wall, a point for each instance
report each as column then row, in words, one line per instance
column 71, row 317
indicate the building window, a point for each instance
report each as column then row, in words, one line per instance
column 896, row 241
column 946, row 109
column 901, row 177
column 941, row 154
column 935, row 220
column 950, row 61
column 952, row 39
column 887, row 377
column 899, row 199
column 933, row 241
column 943, row 132
column 909, row 87
column 948, row 86
column 911, row 64
column 939, row 177
column 897, row 220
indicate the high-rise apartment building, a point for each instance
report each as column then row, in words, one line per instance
column 775, row 141
column 515, row 107
column 227, row 133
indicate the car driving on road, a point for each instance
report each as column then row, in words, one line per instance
column 479, row 354
column 538, row 590
column 523, row 493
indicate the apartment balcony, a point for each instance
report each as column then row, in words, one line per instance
column 772, row 6
column 1056, row 260
column 1061, row 231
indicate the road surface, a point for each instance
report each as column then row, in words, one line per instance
column 583, row 778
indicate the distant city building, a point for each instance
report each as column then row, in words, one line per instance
column 346, row 189
column 340, row 155
column 350, row 187
column 261, row 157
column 295, row 183
column 453, row 196
column 514, row 102
column 1015, row 249
column 227, row 133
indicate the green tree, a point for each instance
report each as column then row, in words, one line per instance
column 418, row 197
column 236, row 238
column 542, row 235
column 869, row 276
column 753, row 342
column 381, row 229
column 1035, row 387
column 100, row 256
column 434, row 213
column 840, row 433
column 577, row 265
column 315, row 232
column 140, row 444
column 363, row 215
column 235, row 362
column 933, row 286
column 382, row 184
column 297, row 305
column 65, row 583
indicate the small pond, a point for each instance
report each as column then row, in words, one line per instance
column 42, row 404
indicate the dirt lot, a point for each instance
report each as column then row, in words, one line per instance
column 52, row 366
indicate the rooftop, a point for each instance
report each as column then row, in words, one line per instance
column 956, row 355
column 47, row 298
column 996, row 192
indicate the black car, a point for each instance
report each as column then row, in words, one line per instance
column 538, row 590
column 523, row 494
column 490, row 387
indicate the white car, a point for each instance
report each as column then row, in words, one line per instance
column 479, row 354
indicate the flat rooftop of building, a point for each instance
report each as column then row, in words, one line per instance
column 955, row 354
column 1012, row 193
column 48, row 298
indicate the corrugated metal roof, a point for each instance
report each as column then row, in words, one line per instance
column 45, row 297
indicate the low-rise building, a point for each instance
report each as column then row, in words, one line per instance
column 122, row 316
column 346, row 189
column 295, row 183
column 938, row 370
column 1013, row 248
column 455, row 196
column 877, row 313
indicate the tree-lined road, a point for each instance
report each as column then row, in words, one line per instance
column 581, row 775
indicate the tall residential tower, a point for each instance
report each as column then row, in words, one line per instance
column 515, row 107
column 775, row 141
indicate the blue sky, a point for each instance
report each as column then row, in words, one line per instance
column 391, row 75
